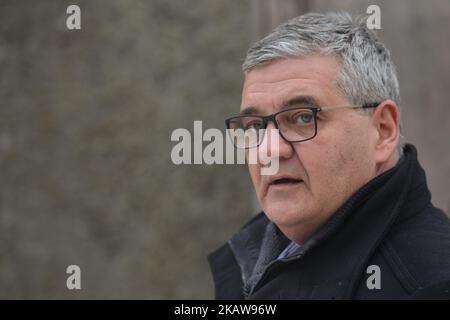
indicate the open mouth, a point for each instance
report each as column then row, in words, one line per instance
column 285, row 181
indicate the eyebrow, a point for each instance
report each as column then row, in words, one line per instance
column 297, row 101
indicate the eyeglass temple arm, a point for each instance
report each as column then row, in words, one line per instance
column 368, row 105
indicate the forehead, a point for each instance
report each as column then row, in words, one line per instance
column 277, row 81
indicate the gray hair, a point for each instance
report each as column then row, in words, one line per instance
column 367, row 72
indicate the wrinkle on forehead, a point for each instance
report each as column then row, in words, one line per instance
column 265, row 87
column 278, row 94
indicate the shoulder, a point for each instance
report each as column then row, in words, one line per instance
column 413, row 259
column 419, row 248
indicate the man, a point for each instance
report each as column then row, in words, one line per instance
column 348, row 214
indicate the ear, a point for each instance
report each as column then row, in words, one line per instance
column 386, row 121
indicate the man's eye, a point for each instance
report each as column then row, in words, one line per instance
column 303, row 118
column 253, row 125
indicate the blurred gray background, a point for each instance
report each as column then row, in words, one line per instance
column 86, row 118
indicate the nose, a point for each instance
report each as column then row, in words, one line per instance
column 274, row 145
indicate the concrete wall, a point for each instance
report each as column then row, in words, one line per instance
column 85, row 126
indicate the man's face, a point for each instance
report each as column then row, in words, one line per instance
column 319, row 174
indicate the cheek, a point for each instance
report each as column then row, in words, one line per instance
column 325, row 161
column 345, row 162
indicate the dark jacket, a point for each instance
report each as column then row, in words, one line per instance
column 389, row 223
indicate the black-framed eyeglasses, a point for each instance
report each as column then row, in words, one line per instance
column 294, row 124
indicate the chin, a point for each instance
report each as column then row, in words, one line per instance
column 285, row 214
